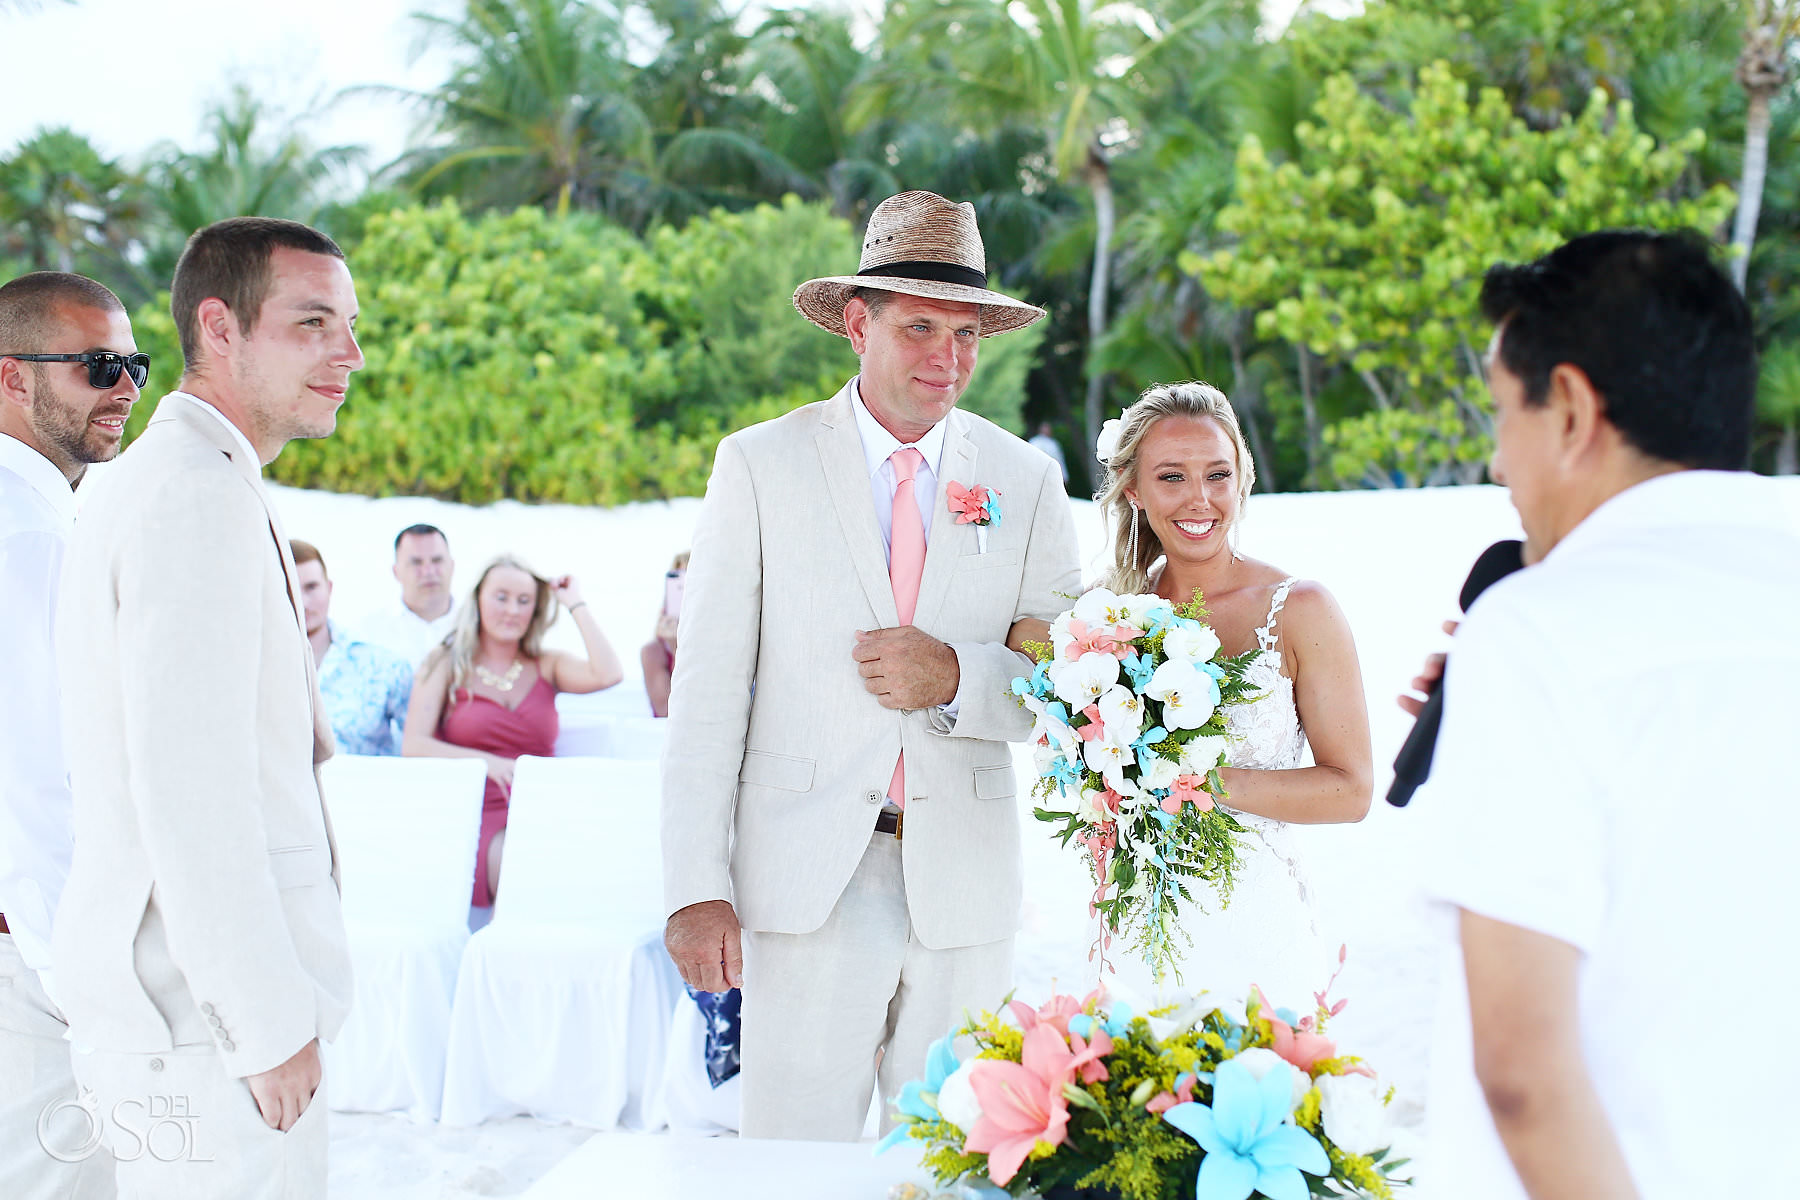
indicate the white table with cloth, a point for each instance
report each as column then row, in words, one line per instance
column 673, row 1167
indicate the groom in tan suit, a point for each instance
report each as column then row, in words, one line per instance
column 840, row 830
column 199, row 948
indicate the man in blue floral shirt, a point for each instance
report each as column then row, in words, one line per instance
column 366, row 688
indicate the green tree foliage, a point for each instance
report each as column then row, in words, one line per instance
column 64, row 206
column 534, row 357
column 1369, row 248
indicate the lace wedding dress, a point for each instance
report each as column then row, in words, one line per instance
column 1267, row 935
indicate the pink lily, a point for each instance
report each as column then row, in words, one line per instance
column 1095, row 729
column 1022, row 1103
column 1303, row 1048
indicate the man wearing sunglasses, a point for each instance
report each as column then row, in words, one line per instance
column 69, row 374
column 200, row 948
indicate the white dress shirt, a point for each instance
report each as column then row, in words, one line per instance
column 37, row 513
column 404, row 632
column 1615, row 770
column 878, row 447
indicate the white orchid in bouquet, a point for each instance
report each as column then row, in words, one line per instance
column 1130, row 697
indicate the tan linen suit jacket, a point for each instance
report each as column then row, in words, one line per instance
column 778, row 757
column 203, row 892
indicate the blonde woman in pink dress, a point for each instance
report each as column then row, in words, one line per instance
column 489, row 691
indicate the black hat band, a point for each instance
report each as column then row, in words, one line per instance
column 936, row 272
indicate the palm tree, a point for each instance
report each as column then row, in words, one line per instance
column 254, row 167
column 1072, row 69
column 66, row 207
column 1763, row 69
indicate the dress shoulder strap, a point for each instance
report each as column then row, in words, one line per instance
column 1265, row 637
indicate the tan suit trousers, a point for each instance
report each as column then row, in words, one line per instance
column 818, row 1006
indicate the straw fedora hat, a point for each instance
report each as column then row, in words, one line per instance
column 918, row 244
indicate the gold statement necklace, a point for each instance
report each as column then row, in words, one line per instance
column 501, row 683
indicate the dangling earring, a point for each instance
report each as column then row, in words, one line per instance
column 1131, row 552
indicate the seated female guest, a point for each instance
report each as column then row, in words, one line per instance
column 489, row 691
column 658, row 654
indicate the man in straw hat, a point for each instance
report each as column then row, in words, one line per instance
column 840, row 782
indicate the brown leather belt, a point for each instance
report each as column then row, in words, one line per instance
column 890, row 822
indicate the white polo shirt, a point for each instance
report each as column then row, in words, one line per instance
column 1616, row 769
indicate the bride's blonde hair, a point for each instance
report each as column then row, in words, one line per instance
column 1129, row 571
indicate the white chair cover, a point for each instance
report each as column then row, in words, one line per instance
column 406, row 832
column 592, row 733
column 564, row 1000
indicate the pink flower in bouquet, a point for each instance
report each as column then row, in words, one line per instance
column 1301, row 1047
column 1187, row 789
column 1092, row 1070
column 1055, row 1013
column 1115, row 641
column 1095, row 728
column 1022, row 1103
column 1183, row 1094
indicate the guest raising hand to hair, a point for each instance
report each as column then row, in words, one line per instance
column 489, row 691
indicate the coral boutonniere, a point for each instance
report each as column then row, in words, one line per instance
column 978, row 506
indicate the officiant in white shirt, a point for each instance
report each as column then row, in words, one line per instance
column 1610, row 820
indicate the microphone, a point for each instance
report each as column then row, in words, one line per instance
column 1413, row 764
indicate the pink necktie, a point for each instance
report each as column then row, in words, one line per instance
column 906, row 565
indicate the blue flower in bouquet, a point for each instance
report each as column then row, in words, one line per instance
column 918, row 1097
column 1248, row 1147
column 1138, row 668
column 1116, row 1022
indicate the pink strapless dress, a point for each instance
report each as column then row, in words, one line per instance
column 478, row 723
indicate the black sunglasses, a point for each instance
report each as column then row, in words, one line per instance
column 103, row 365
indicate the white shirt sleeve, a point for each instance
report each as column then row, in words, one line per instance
column 1513, row 825
column 36, row 833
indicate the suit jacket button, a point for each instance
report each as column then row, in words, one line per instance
column 156, row 1064
column 872, row 796
column 227, row 1046
column 216, row 1023
column 207, row 1009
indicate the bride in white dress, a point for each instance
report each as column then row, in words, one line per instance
column 1177, row 478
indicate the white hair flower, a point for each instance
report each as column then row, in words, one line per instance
column 1107, row 444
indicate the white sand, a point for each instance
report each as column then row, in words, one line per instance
column 1395, row 561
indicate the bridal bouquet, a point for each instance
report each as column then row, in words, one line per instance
column 1195, row 1101
column 1129, row 698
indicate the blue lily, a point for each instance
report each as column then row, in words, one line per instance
column 1021, row 686
column 1215, row 670
column 992, row 508
column 1057, row 709
column 918, row 1098
column 1248, row 1148
column 1140, row 669
column 1040, row 682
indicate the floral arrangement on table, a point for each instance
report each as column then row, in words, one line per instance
column 1191, row 1101
column 1130, row 697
